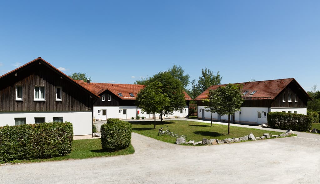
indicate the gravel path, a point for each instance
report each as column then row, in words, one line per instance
column 282, row 160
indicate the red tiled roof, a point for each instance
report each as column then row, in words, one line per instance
column 39, row 59
column 124, row 89
column 268, row 89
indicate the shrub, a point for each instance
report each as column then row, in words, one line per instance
column 115, row 135
column 314, row 116
column 43, row 140
column 282, row 120
column 94, row 128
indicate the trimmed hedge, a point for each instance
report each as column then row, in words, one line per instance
column 32, row 141
column 314, row 116
column 282, row 120
column 115, row 135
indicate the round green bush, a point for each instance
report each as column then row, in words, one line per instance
column 115, row 135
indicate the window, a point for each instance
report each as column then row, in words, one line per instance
column 109, row 97
column 18, row 92
column 284, row 97
column 131, row 94
column 104, row 112
column 39, row 120
column 253, row 92
column 57, row 119
column 58, row 94
column 120, row 94
column 103, row 98
column 39, row 93
column 289, row 97
column 259, row 114
column 265, row 114
column 296, row 112
column 181, row 110
column 295, row 98
column 120, row 111
column 289, row 111
column 20, row 121
column 124, row 111
column 99, row 112
column 245, row 92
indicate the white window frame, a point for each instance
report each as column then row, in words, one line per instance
column 15, row 121
column 58, row 99
column 40, row 93
column 19, row 98
column 103, row 98
column 39, row 118
column 289, row 97
column 109, row 97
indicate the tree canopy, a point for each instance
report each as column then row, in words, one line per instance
column 80, row 76
column 225, row 100
column 208, row 79
column 314, row 104
column 178, row 72
column 166, row 88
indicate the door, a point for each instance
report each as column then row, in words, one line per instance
column 104, row 114
column 202, row 114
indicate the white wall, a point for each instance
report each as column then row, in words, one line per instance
column 250, row 114
column 299, row 110
column 132, row 111
column 81, row 121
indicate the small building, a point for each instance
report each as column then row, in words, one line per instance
column 37, row 92
column 260, row 98
column 118, row 101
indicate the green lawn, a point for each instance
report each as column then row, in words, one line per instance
column 86, row 148
column 193, row 130
column 315, row 125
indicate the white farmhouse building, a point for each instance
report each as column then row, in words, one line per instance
column 260, row 98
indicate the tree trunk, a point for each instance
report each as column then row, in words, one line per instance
column 211, row 118
column 154, row 117
column 161, row 116
column 228, row 124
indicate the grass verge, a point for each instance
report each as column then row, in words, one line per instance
column 193, row 130
column 81, row 149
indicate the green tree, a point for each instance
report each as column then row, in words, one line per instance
column 208, row 79
column 178, row 72
column 152, row 99
column 80, row 76
column 314, row 104
column 170, row 87
column 226, row 100
column 194, row 91
column 212, row 103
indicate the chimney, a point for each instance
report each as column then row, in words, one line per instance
column 88, row 81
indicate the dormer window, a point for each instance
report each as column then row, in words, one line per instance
column 18, row 92
column 109, row 97
column 103, row 98
column 253, row 92
column 39, row 93
column 245, row 92
column 289, row 98
column 131, row 94
column 120, row 94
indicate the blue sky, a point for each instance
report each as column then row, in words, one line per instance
column 122, row 41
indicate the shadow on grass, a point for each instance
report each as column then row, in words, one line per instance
column 150, row 122
column 201, row 125
column 98, row 151
column 141, row 129
column 207, row 133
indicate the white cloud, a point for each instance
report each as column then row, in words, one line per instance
column 17, row 64
column 133, row 77
column 62, row 69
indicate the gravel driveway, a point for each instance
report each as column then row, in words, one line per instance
column 283, row 160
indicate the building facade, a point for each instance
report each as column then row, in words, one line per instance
column 260, row 98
